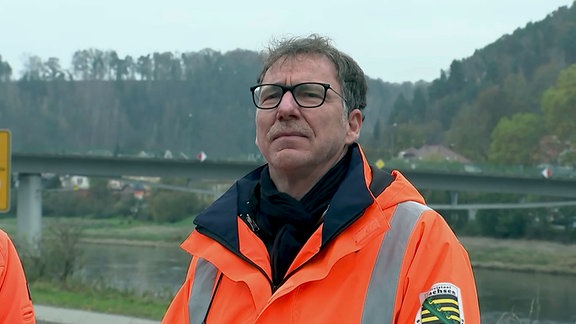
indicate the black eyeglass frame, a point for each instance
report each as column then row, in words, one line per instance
column 291, row 88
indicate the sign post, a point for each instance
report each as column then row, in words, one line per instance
column 5, row 157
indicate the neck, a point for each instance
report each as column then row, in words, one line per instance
column 297, row 183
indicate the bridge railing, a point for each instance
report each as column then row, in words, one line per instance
column 516, row 171
column 521, row 171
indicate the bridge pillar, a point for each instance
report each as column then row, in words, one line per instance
column 29, row 209
column 454, row 198
column 472, row 214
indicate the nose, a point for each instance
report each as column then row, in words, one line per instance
column 287, row 106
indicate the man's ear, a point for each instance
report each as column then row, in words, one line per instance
column 355, row 118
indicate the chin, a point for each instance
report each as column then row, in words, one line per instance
column 288, row 159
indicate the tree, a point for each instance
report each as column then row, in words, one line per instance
column 53, row 70
column 81, row 65
column 559, row 106
column 130, row 68
column 34, row 69
column 144, row 67
column 456, row 79
column 569, row 43
column 515, row 140
column 419, row 105
column 162, row 69
column 493, row 73
column 401, row 111
column 98, row 67
column 116, row 67
column 5, row 70
column 551, row 150
column 543, row 78
column 376, row 132
column 473, row 124
column 469, row 133
column 406, row 136
column 439, row 87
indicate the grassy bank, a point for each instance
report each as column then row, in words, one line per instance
column 521, row 255
column 517, row 255
column 79, row 296
column 116, row 230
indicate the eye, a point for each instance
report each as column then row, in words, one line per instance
column 311, row 91
column 270, row 93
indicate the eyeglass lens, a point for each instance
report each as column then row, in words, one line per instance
column 307, row 95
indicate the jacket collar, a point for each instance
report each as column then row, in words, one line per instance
column 220, row 220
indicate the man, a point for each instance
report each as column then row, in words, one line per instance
column 316, row 235
column 15, row 304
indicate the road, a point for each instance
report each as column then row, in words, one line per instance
column 56, row 315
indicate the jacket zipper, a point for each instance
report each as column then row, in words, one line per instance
column 253, row 226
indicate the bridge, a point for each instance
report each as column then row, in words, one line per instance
column 29, row 168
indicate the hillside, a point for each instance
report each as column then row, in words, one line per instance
column 198, row 101
column 464, row 105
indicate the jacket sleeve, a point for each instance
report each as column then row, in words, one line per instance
column 436, row 276
column 15, row 303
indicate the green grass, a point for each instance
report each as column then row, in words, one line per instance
column 137, row 231
column 521, row 255
column 120, row 229
column 104, row 300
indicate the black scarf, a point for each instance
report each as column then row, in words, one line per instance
column 287, row 223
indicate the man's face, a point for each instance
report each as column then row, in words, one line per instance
column 295, row 139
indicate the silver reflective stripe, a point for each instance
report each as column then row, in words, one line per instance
column 379, row 303
column 201, row 294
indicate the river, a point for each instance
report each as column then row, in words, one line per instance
column 161, row 271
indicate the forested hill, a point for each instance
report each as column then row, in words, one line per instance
column 465, row 105
column 185, row 103
column 199, row 101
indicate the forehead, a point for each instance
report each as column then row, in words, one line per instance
column 301, row 68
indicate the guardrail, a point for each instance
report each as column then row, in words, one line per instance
column 517, row 171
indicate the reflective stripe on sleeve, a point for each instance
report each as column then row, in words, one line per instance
column 379, row 303
column 201, row 294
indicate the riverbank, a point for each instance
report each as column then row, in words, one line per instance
column 521, row 255
column 97, row 298
column 487, row 253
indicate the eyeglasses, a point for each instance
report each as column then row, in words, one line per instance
column 306, row 94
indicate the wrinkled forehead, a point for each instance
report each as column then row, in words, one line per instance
column 306, row 65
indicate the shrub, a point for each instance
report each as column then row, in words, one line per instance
column 173, row 206
column 56, row 256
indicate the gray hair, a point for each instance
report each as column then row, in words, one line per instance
column 349, row 73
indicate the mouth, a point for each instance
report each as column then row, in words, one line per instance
column 287, row 134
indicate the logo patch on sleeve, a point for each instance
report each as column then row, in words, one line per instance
column 442, row 304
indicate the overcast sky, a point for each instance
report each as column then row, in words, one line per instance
column 400, row 40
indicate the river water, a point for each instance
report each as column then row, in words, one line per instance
column 503, row 295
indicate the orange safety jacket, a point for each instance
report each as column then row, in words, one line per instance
column 384, row 259
column 15, row 303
